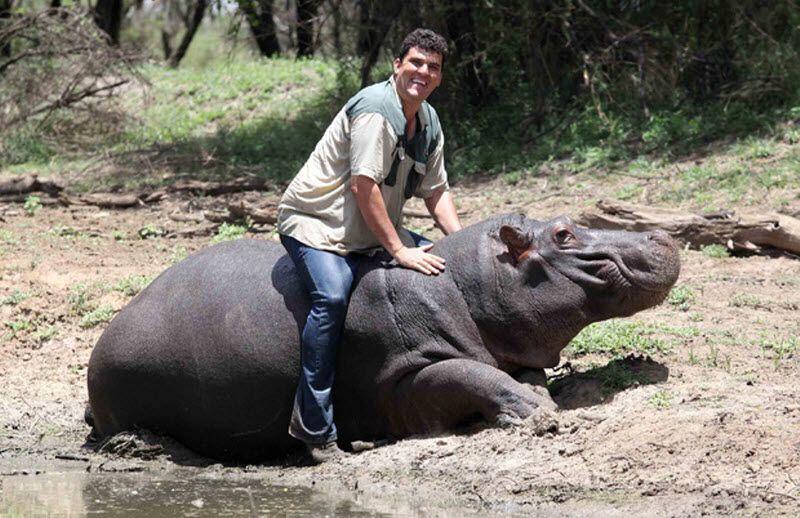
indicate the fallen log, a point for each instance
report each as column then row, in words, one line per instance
column 27, row 184
column 747, row 232
column 217, row 188
column 111, row 200
column 242, row 210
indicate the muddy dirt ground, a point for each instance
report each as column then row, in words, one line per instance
column 709, row 423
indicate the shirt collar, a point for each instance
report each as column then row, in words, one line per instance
column 422, row 114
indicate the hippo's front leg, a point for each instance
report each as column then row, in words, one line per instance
column 448, row 392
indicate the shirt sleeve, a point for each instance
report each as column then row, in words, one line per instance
column 435, row 175
column 371, row 146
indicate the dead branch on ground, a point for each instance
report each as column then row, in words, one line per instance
column 741, row 233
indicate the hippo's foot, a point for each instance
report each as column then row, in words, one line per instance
column 449, row 392
column 540, row 417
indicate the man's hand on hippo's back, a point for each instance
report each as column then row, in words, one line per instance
column 419, row 259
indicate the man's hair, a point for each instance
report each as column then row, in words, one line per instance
column 424, row 39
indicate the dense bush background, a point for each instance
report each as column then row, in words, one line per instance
column 527, row 81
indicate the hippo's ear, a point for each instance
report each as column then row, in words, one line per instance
column 519, row 243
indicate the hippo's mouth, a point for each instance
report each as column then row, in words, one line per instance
column 607, row 270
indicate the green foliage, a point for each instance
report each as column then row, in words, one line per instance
column 617, row 337
column 150, row 231
column 119, row 235
column 18, row 326
column 716, row 251
column 132, row 284
column 15, row 298
column 780, row 348
column 179, row 253
column 32, row 205
column 229, row 232
column 97, row 316
column 661, row 400
column 681, row 297
column 79, row 300
column 7, row 237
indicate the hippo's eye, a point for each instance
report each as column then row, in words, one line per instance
column 563, row 236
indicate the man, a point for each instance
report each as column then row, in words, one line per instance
column 383, row 147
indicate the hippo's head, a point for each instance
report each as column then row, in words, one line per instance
column 616, row 273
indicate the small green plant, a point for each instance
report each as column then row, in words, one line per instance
column 682, row 297
column 747, row 301
column 32, row 205
column 628, row 191
column 715, row 250
column 179, row 253
column 132, row 284
column 19, row 325
column 756, row 148
column 97, row 316
column 781, row 348
column 791, row 135
column 78, row 300
column 661, row 400
column 7, row 237
column 119, row 235
column 45, row 334
column 151, row 231
column 228, row 232
column 15, row 298
column 63, row 231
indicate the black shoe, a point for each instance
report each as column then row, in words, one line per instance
column 325, row 452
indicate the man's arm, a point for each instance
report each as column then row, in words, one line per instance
column 443, row 210
column 370, row 202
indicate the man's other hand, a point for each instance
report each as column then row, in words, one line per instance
column 420, row 260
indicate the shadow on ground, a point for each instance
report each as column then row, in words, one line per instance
column 600, row 384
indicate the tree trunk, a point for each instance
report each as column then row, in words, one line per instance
column 306, row 11
column 108, row 15
column 460, row 23
column 5, row 13
column 197, row 17
column 258, row 14
column 376, row 21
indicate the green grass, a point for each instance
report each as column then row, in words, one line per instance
column 682, row 297
column 229, row 232
column 7, row 237
column 15, row 298
column 661, row 400
column 97, row 316
column 715, row 251
column 618, row 337
column 132, row 284
column 779, row 349
column 32, row 205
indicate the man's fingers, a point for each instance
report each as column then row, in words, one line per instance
column 427, row 247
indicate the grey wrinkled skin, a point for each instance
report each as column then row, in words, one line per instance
column 209, row 352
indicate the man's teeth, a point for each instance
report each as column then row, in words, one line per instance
column 422, row 83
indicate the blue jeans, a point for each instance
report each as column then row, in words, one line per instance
column 328, row 277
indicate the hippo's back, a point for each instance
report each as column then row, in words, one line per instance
column 208, row 353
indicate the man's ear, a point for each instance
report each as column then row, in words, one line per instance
column 396, row 64
column 519, row 243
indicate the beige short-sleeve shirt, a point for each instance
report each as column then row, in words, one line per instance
column 319, row 209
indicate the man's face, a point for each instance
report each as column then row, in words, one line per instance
column 418, row 74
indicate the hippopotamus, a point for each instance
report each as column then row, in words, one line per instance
column 209, row 352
